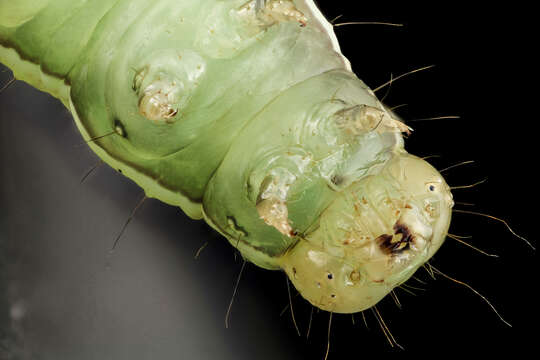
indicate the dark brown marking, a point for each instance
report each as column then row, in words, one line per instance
column 406, row 237
column 400, row 228
column 385, row 242
column 388, row 244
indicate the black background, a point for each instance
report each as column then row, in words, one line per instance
column 152, row 300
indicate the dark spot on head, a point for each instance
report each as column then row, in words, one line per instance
column 119, row 128
column 401, row 228
column 330, row 276
column 390, row 245
column 385, row 243
column 294, row 270
column 431, row 188
column 120, row 171
column 333, row 295
column 406, row 235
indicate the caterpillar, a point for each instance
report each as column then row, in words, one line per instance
column 127, row 130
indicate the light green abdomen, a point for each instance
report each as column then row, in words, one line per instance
column 88, row 53
column 50, row 34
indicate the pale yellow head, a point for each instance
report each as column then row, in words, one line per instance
column 373, row 237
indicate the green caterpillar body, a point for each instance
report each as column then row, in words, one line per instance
column 247, row 116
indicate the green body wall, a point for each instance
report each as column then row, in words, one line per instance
column 249, row 97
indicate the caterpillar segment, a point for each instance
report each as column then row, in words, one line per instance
column 247, row 115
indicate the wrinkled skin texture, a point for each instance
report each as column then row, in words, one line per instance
column 250, row 119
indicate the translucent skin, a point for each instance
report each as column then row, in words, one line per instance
column 249, row 119
column 373, row 237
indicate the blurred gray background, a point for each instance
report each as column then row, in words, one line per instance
column 63, row 295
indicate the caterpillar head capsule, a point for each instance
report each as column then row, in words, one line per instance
column 373, row 236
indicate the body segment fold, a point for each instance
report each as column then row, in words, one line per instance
column 249, row 118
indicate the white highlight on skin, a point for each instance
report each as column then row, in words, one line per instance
column 275, row 11
column 272, row 206
column 157, row 101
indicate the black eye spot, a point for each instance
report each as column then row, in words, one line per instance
column 330, row 276
column 431, row 188
column 333, row 295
